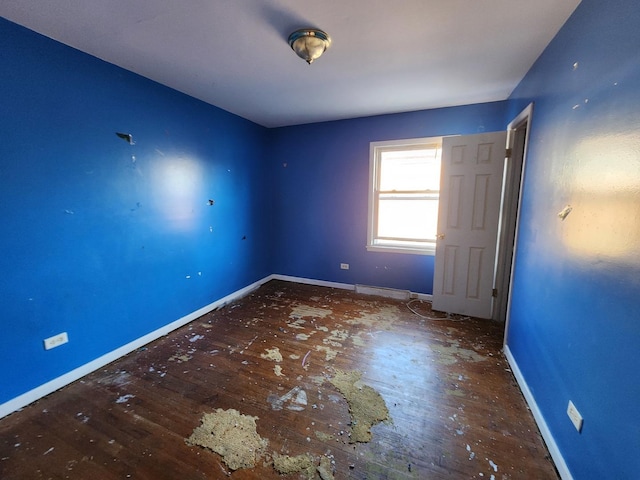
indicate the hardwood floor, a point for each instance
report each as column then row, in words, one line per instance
column 455, row 410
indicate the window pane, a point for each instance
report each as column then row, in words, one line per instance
column 410, row 170
column 414, row 219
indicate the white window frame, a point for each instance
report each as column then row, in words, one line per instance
column 375, row 244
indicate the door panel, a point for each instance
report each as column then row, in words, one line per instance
column 471, row 185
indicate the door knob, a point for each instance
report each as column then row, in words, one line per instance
column 440, row 236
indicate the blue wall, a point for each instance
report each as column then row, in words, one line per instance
column 98, row 236
column 321, row 192
column 575, row 322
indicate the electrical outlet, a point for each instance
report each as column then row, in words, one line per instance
column 56, row 341
column 575, row 416
column 344, row 266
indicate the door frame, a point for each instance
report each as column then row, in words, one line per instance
column 518, row 141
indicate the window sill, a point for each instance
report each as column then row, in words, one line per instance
column 398, row 249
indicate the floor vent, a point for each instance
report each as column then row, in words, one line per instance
column 384, row 292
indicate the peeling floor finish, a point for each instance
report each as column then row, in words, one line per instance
column 455, row 409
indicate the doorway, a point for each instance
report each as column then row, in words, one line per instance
column 458, row 285
column 517, row 142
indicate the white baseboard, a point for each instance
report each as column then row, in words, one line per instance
column 59, row 382
column 311, row 281
column 349, row 286
column 558, row 459
column 427, row 297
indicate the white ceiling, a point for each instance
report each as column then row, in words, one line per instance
column 386, row 57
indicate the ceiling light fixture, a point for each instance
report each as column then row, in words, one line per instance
column 309, row 43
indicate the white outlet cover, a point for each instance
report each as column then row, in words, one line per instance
column 56, row 341
column 575, row 416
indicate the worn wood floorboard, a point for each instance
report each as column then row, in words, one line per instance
column 455, row 409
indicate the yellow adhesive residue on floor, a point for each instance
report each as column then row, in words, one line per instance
column 304, row 464
column 329, row 353
column 180, row 358
column 324, row 469
column 450, row 354
column 300, row 311
column 382, row 319
column 272, row 354
column 286, row 465
column 231, row 435
column 366, row 406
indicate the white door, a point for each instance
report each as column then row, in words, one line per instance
column 468, row 217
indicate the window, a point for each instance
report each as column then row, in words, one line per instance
column 404, row 192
